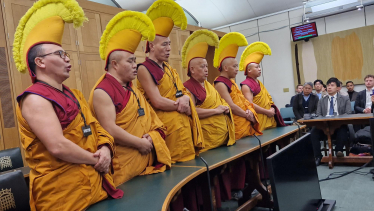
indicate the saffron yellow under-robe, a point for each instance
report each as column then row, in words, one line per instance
column 60, row 185
column 218, row 129
column 184, row 136
column 128, row 162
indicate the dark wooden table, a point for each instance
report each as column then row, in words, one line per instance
column 329, row 125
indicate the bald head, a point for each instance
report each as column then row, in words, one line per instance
column 253, row 70
column 122, row 65
column 229, row 67
column 159, row 49
column 198, row 69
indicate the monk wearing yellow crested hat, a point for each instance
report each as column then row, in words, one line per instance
column 163, row 88
column 214, row 113
column 67, row 150
column 255, row 91
column 120, row 107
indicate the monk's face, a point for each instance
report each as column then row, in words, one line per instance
column 369, row 82
column 160, row 48
column 254, row 70
column 199, row 69
column 350, row 87
column 231, row 67
column 123, row 64
column 53, row 65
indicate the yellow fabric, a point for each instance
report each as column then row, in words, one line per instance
column 228, row 47
column 184, row 134
column 197, row 51
column 127, row 40
column 59, row 185
column 229, row 52
column 218, row 129
column 253, row 54
column 125, row 31
column 42, row 34
column 128, row 162
column 255, row 57
column 264, row 100
column 243, row 127
column 163, row 26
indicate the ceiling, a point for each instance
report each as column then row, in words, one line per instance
column 214, row 13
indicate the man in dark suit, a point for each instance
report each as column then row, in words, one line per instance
column 351, row 90
column 331, row 104
column 305, row 102
column 298, row 89
column 363, row 101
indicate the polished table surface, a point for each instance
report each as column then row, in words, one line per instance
column 154, row 192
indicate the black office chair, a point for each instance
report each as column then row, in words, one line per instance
column 10, row 159
column 14, row 193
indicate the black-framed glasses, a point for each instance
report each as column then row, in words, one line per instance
column 63, row 54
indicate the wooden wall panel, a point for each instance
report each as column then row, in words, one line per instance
column 92, row 68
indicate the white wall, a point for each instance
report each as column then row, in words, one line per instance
column 277, row 70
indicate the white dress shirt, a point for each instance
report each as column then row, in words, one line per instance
column 335, row 104
column 368, row 98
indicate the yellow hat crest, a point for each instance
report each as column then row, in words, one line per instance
column 253, row 54
column 196, row 45
column 124, row 32
column 228, row 47
column 44, row 23
column 165, row 14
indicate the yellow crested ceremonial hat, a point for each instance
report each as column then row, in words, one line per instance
column 44, row 23
column 124, row 33
column 196, row 46
column 228, row 47
column 253, row 54
column 165, row 14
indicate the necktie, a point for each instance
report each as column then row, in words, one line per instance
column 331, row 106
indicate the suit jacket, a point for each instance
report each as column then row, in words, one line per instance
column 343, row 104
column 360, row 102
column 298, row 108
column 354, row 96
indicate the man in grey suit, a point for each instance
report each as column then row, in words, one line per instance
column 331, row 104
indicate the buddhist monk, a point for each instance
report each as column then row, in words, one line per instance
column 255, row 91
column 162, row 87
column 214, row 112
column 67, row 150
column 119, row 106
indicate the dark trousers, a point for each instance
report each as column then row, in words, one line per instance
column 340, row 135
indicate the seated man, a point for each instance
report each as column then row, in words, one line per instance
column 120, row 107
column 245, row 116
column 214, row 113
column 254, row 91
column 318, row 86
column 305, row 102
column 67, row 150
column 351, row 90
column 162, row 87
column 340, row 90
column 363, row 102
column 299, row 89
column 333, row 104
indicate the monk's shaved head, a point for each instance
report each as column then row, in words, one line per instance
column 198, row 69
column 229, row 67
column 253, row 70
column 122, row 65
column 159, row 49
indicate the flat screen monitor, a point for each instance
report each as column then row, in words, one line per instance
column 293, row 177
column 304, row 32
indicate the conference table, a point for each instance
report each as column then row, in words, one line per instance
column 329, row 125
column 156, row 192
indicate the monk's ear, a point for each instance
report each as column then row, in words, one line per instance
column 192, row 70
column 114, row 64
column 39, row 62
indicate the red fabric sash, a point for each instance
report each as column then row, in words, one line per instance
column 196, row 89
column 116, row 92
column 252, row 84
column 278, row 117
column 66, row 110
column 156, row 72
column 224, row 80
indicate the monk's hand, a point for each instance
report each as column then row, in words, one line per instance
column 145, row 146
column 271, row 112
column 148, row 137
column 104, row 161
column 221, row 109
column 183, row 104
column 250, row 116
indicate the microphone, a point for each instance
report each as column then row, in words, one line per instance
column 210, row 188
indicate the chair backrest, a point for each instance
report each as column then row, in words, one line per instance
column 14, row 193
column 10, row 159
column 287, row 113
column 353, row 106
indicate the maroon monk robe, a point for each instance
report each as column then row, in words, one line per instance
column 154, row 69
column 196, row 89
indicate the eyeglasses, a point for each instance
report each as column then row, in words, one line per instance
column 63, row 54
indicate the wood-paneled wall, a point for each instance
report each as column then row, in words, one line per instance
column 82, row 45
